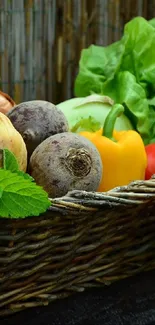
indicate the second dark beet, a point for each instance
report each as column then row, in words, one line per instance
column 37, row 120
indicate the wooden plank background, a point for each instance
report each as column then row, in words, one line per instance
column 41, row 40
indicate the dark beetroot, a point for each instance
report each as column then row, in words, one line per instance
column 65, row 162
column 37, row 120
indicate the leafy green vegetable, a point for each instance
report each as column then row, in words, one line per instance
column 152, row 119
column 151, row 101
column 139, row 38
column 20, row 197
column 124, row 71
column 152, row 22
column 97, row 65
column 126, row 90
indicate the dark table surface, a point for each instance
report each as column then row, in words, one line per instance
column 128, row 302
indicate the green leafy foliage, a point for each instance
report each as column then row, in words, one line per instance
column 20, row 197
column 124, row 71
column 9, row 161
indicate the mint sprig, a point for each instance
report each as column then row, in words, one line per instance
column 10, row 163
column 20, row 196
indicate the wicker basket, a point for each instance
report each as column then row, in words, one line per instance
column 84, row 240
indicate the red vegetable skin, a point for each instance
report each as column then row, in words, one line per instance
column 150, row 169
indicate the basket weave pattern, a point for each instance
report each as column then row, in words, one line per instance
column 84, row 240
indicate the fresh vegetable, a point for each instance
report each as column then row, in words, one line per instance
column 150, row 169
column 152, row 22
column 6, row 102
column 64, row 162
column 37, row 120
column 11, row 139
column 20, row 197
column 89, row 113
column 124, row 71
column 122, row 152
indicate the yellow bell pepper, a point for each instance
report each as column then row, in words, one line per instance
column 122, row 152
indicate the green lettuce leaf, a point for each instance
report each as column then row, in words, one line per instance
column 152, row 123
column 124, row 89
column 151, row 101
column 124, row 71
column 97, row 64
column 152, row 22
column 139, row 58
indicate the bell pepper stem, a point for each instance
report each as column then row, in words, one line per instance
column 110, row 120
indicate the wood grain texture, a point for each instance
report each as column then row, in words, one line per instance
column 41, row 41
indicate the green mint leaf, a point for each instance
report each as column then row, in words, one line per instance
column 25, row 175
column 9, row 161
column 20, row 197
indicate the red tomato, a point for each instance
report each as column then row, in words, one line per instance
column 150, row 169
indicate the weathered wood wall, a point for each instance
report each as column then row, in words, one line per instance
column 41, row 40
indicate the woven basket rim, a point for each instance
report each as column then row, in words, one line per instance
column 134, row 194
column 137, row 192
